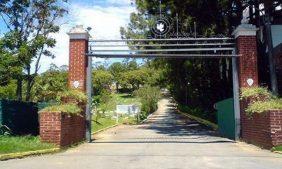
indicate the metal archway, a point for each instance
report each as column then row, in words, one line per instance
column 173, row 48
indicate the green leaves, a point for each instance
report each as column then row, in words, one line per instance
column 30, row 24
column 102, row 79
column 264, row 106
column 149, row 98
column 255, row 92
column 48, row 84
column 70, row 109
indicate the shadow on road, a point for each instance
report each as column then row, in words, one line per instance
column 166, row 126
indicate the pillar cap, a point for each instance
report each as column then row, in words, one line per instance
column 245, row 30
column 78, row 32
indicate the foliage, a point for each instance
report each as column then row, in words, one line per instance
column 105, row 101
column 9, row 144
column 9, row 66
column 49, row 84
column 30, row 24
column 5, row 130
column 70, row 109
column 134, row 78
column 255, row 92
column 102, row 79
column 149, row 97
column 277, row 148
column 263, row 106
column 193, row 82
column 77, row 95
column 8, row 91
column 116, row 69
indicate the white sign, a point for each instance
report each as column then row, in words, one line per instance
column 76, row 84
column 250, row 82
column 127, row 109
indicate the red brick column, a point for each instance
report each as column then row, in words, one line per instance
column 77, row 60
column 61, row 129
column 245, row 36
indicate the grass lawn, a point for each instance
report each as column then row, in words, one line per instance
column 104, row 122
column 15, row 144
column 277, row 148
column 120, row 98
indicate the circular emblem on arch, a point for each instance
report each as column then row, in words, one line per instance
column 161, row 26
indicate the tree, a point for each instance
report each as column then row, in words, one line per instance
column 192, row 81
column 116, row 70
column 102, row 80
column 48, row 84
column 30, row 24
column 134, row 78
column 9, row 66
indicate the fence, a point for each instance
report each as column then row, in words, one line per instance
column 20, row 117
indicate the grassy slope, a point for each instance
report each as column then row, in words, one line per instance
column 122, row 98
column 105, row 122
column 11, row 144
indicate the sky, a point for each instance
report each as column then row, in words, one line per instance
column 105, row 17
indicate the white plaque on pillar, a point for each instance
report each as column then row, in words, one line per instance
column 76, row 84
column 250, row 81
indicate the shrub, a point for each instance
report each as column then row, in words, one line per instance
column 263, row 106
column 70, row 109
column 149, row 97
column 72, row 94
column 255, row 92
column 5, row 130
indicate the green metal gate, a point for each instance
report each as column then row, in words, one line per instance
column 225, row 118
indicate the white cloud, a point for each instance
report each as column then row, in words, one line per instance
column 120, row 2
column 104, row 20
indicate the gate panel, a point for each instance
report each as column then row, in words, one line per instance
column 226, row 118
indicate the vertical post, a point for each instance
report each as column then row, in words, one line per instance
column 79, row 67
column 236, row 96
column 245, row 35
column 245, row 70
column 77, row 60
column 89, row 101
column 271, row 60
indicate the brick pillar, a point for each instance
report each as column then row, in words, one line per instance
column 78, row 47
column 245, row 36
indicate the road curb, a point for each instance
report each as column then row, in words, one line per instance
column 147, row 118
column 200, row 120
column 278, row 152
column 9, row 156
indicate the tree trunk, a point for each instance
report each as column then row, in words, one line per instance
column 19, row 89
column 28, row 89
column 29, row 84
column 117, row 84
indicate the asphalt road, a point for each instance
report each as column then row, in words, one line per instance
column 166, row 141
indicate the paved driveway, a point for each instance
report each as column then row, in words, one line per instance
column 166, row 141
